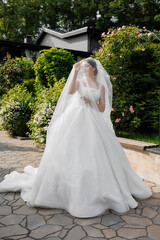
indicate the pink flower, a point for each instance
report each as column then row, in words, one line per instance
column 103, row 34
column 131, row 109
column 149, row 34
column 102, row 54
column 109, row 54
column 143, row 49
column 117, row 120
column 108, row 36
column 120, row 67
column 137, row 32
column 112, row 109
column 139, row 35
column 144, row 27
column 119, row 28
column 114, row 78
column 100, row 50
column 120, row 56
column 123, row 26
column 122, row 113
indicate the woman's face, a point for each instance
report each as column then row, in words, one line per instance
column 87, row 69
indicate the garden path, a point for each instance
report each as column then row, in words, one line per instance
column 18, row 221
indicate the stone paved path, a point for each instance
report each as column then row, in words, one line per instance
column 18, row 221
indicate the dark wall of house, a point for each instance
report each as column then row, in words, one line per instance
column 14, row 52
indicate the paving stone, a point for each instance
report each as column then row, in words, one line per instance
column 110, row 220
column 117, row 226
column 152, row 201
column 17, row 237
column 118, row 238
column 28, row 238
column 154, row 232
column 138, row 211
column 75, row 233
column 92, row 238
column 156, row 195
column 12, row 219
column 44, row 231
column 25, row 210
column 133, row 226
column 137, row 220
column 92, row 232
column 128, row 233
column 52, row 238
column 156, row 220
column 149, row 212
column 87, row 221
column 99, row 226
column 56, row 234
column 49, row 211
column 63, row 233
column 35, row 221
column 5, row 210
column 156, row 189
column 12, row 231
column 60, row 219
column 143, row 238
column 24, row 223
column 9, row 196
column 1, row 201
column 109, row 233
column 69, row 226
column 18, row 202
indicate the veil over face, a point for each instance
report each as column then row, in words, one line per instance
column 93, row 93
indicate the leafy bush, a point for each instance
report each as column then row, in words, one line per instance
column 132, row 58
column 45, row 103
column 16, row 111
column 52, row 65
column 16, row 71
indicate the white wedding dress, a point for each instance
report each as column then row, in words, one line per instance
column 84, row 168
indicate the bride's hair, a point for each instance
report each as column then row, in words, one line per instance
column 93, row 63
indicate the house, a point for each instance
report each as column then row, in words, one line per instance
column 18, row 49
column 80, row 42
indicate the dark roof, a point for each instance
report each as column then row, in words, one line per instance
column 22, row 45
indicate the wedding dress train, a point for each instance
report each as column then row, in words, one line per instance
column 83, row 170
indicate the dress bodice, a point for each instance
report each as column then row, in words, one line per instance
column 82, row 90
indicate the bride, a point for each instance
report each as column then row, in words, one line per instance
column 84, row 169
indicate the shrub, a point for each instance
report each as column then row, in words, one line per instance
column 45, row 103
column 16, row 71
column 52, row 65
column 16, row 111
column 132, row 58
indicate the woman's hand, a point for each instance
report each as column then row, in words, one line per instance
column 86, row 100
column 77, row 66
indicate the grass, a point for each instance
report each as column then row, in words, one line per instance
column 144, row 137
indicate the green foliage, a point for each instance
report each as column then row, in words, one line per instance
column 16, row 111
column 132, row 58
column 52, row 65
column 21, row 17
column 13, row 71
column 43, row 108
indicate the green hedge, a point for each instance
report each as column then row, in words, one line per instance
column 16, row 71
column 43, row 108
column 52, row 65
column 132, row 58
column 16, row 111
